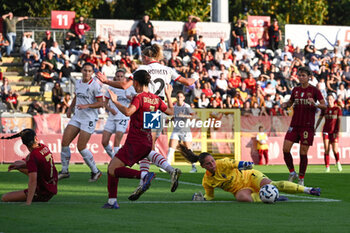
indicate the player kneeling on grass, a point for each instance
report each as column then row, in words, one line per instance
column 40, row 168
column 138, row 143
column 237, row 177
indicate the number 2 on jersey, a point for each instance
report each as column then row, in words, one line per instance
column 161, row 87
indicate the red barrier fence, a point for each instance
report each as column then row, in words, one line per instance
column 12, row 150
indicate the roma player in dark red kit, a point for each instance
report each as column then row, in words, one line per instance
column 330, row 131
column 138, row 143
column 40, row 168
column 302, row 129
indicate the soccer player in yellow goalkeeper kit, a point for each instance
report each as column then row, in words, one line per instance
column 238, row 178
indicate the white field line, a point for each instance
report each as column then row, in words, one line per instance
column 308, row 198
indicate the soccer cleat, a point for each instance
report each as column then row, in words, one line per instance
column 63, row 175
column 282, row 198
column 339, row 167
column 142, row 188
column 193, row 170
column 327, row 169
column 292, row 176
column 301, row 182
column 315, row 191
column 109, row 206
column 95, row 176
column 175, row 175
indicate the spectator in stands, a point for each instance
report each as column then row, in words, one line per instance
column 69, row 44
column 157, row 40
column 216, row 101
column 134, row 47
column 228, row 102
column 66, row 102
column 145, row 30
column 111, row 45
column 201, row 46
column 10, row 26
column 223, row 45
column 286, row 53
column 190, row 46
column 260, row 49
column 308, row 49
column 255, row 109
column 251, row 83
column 298, row 54
column 57, row 52
column 11, row 101
column 3, row 44
column 34, row 51
column 51, row 62
column 57, row 96
column 43, row 50
column 246, row 110
column 346, row 76
column 44, row 73
column 290, row 46
column 5, row 89
column 27, row 41
column 30, row 64
column 274, row 35
column 65, row 72
column 98, row 45
column 109, row 69
column 238, row 33
column 36, row 107
column 190, row 27
column 255, row 71
column 226, row 61
column 221, row 84
column 48, row 39
column 80, row 28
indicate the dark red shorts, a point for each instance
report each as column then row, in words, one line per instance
column 133, row 151
column 332, row 137
column 304, row 136
column 40, row 197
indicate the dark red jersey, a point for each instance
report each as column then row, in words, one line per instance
column 304, row 112
column 144, row 102
column 40, row 160
column 331, row 115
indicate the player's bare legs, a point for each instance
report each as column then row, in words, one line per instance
column 16, row 196
column 303, row 162
column 70, row 132
column 117, row 139
column 105, row 143
column 326, row 153
column 288, row 159
column 335, row 147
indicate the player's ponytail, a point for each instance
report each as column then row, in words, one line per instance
column 12, row 136
column 154, row 51
column 27, row 136
column 188, row 154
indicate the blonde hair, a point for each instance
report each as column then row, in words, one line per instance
column 154, row 51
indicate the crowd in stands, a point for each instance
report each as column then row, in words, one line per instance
column 256, row 80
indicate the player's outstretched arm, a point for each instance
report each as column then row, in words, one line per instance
column 170, row 109
column 125, row 84
column 127, row 111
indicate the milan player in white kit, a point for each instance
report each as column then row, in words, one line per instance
column 182, row 113
column 160, row 76
column 88, row 99
column 117, row 122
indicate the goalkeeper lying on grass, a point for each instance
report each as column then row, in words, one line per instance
column 237, row 177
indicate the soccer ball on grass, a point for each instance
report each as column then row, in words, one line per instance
column 268, row 193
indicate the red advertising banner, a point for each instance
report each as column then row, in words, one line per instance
column 48, row 124
column 315, row 155
column 12, row 150
column 257, row 25
column 62, row 19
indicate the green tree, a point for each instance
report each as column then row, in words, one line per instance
column 179, row 10
column 338, row 12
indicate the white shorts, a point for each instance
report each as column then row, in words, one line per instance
column 113, row 126
column 87, row 126
column 181, row 136
column 160, row 130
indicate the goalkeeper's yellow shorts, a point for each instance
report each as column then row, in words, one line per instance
column 252, row 180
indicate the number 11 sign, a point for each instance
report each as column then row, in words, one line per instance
column 62, row 19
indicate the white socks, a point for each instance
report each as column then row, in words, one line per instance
column 65, row 157
column 89, row 159
column 170, row 155
column 144, row 168
column 109, row 150
column 111, row 201
column 160, row 161
column 307, row 190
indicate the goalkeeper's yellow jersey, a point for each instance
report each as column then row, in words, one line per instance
column 227, row 177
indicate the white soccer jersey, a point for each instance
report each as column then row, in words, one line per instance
column 124, row 97
column 86, row 93
column 160, row 76
column 185, row 109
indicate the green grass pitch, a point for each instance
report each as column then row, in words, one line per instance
column 77, row 207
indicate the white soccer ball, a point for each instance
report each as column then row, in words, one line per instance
column 269, row 193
